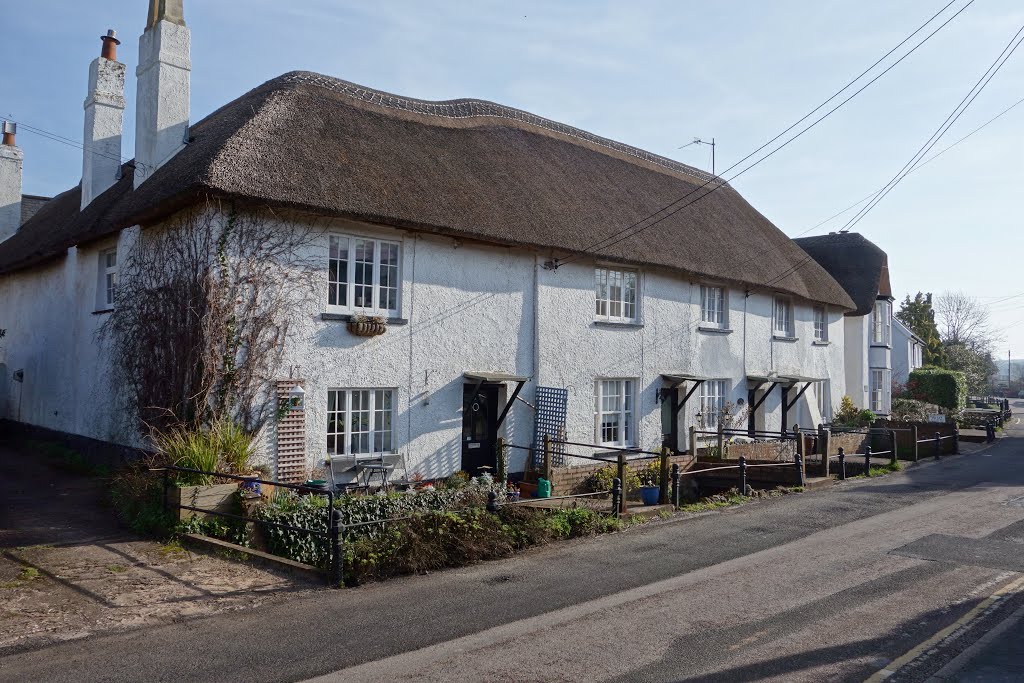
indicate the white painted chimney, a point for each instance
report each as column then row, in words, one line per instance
column 11, row 162
column 164, row 85
column 104, row 121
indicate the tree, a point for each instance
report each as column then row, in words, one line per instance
column 963, row 320
column 918, row 315
column 203, row 312
column 967, row 338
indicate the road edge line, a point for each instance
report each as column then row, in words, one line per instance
column 895, row 665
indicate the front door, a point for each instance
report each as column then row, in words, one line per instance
column 479, row 428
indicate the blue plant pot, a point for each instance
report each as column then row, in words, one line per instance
column 649, row 494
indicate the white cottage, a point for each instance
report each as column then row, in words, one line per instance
column 532, row 277
column 863, row 270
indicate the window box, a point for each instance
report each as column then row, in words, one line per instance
column 367, row 326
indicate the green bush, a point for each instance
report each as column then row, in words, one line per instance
column 946, row 388
column 849, row 415
column 422, row 539
column 601, row 480
column 137, row 497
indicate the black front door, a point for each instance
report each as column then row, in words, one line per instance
column 479, row 428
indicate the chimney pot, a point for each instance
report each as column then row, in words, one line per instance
column 110, row 43
column 10, row 131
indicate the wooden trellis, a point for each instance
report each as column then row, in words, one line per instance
column 291, row 437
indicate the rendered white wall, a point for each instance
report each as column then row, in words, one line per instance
column 469, row 307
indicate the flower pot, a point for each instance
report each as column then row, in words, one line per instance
column 367, row 328
column 650, row 494
column 252, row 484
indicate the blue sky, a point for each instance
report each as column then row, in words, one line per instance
column 650, row 73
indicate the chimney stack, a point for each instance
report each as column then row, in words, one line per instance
column 104, row 121
column 164, row 84
column 11, row 162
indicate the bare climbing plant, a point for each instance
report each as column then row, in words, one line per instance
column 204, row 310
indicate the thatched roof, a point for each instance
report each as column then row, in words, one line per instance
column 464, row 168
column 856, row 263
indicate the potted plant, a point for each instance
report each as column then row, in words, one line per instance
column 650, row 482
column 363, row 325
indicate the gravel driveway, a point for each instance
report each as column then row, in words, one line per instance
column 67, row 570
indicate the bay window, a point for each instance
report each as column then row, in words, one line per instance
column 879, row 389
column 881, row 324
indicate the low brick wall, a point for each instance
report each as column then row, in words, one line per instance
column 570, row 480
column 766, row 475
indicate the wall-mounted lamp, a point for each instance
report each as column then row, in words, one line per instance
column 297, row 398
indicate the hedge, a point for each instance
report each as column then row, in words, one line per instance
column 947, row 388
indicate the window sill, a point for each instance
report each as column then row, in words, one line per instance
column 619, row 325
column 611, row 453
column 881, row 346
column 821, row 342
column 714, row 330
column 103, row 311
column 346, row 317
column 784, row 337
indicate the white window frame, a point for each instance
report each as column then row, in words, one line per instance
column 349, row 284
column 623, row 390
column 879, row 389
column 342, row 419
column 606, row 278
column 714, row 306
column 783, row 304
column 820, row 324
column 881, row 323
column 108, row 279
column 713, row 395
column 822, row 392
column 916, row 355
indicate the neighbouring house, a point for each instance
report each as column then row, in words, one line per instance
column 489, row 241
column 907, row 352
column 863, row 270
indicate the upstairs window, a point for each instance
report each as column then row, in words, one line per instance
column 881, row 324
column 712, row 306
column 363, row 275
column 820, row 324
column 783, row 325
column 107, row 279
column 360, row 421
column 613, row 412
column 616, row 295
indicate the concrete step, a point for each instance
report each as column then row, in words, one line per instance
column 817, row 483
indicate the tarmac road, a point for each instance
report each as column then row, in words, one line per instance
column 891, row 577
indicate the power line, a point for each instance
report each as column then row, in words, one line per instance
column 611, row 240
column 64, row 140
column 958, row 111
column 918, row 166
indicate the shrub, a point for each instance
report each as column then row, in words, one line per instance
column 650, row 474
column 137, row 497
column 909, row 410
column 601, row 480
column 234, row 445
column 849, row 415
column 189, row 448
column 947, row 388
